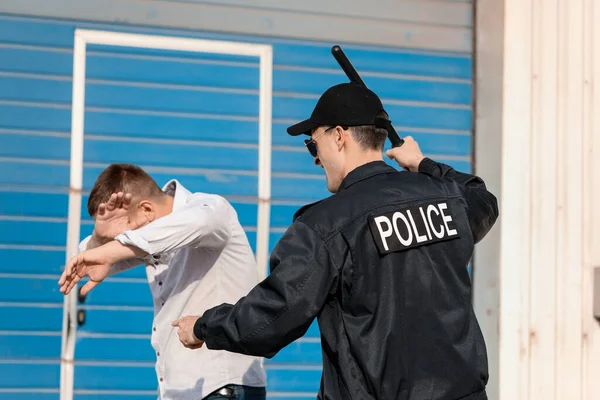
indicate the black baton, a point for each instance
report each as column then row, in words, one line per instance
column 350, row 71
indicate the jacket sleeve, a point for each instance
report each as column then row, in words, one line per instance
column 282, row 307
column 482, row 205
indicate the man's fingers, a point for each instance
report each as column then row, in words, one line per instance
column 127, row 201
column 69, row 285
column 70, row 277
column 119, row 202
column 73, row 283
column 71, row 266
column 88, row 287
column 101, row 209
column 63, row 288
column 63, row 278
column 64, row 283
column 110, row 204
column 175, row 323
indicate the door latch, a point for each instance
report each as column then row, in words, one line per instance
column 80, row 311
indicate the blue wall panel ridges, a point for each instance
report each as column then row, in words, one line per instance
column 190, row 116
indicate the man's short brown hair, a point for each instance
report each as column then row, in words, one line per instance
column 370, row 137
column 126, row 178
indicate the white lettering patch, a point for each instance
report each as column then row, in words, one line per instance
column 413, row 226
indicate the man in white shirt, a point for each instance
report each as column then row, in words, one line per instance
column 197, row 256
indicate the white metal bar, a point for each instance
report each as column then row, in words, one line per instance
column 172, row 43
column 69, row 330
column 264, row 161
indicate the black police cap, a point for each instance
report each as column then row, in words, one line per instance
column 346, row 104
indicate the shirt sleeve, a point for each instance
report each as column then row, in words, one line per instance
column 117, row 267
column 482, row 204
column 282, row 307
column 204, row 221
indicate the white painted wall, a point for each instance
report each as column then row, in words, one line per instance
column 549, row 343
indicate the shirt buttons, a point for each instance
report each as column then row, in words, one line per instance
column 161, row 379
column 159, row 283
column 153, row 328
column 158, row 353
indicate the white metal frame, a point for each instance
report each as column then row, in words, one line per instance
column 82, row 38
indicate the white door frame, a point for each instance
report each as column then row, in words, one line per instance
column 82, row 38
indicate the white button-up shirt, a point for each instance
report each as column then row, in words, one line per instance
column 198, row 257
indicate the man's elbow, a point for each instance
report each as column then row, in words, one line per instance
column 216, row 228
column 490, row 213
column 266, row 349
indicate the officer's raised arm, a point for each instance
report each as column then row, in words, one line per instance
column 282, row 307
column 482, row 204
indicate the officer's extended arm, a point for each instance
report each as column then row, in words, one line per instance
column 482, row 205
column 282, row 307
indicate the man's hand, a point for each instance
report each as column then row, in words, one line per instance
column 408, row 156
column 186, row 332
column 95, row 263
column 115, row 217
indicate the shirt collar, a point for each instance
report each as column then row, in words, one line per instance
column 178, row 191
column 365, row 171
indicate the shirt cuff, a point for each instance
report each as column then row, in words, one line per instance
column 132, row 238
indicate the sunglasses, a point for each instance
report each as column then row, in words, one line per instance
column 311, row 144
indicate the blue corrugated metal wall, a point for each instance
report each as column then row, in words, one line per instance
column 190, row 116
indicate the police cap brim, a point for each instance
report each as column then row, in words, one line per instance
column 304, row 127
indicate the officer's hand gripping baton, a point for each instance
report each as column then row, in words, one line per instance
column 348, row 68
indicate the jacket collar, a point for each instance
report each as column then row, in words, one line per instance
column 365, row 171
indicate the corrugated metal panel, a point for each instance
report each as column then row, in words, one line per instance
column 418, row 24
column 185, row 115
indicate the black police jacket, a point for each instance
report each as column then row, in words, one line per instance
column 383, row 265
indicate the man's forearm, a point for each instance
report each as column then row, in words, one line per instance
column 119, row 252
column 95, row 241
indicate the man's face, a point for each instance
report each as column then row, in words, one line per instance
column 329, row 155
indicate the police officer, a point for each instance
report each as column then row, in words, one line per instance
column 382, row 264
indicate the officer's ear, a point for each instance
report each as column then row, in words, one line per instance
column 340, row 137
